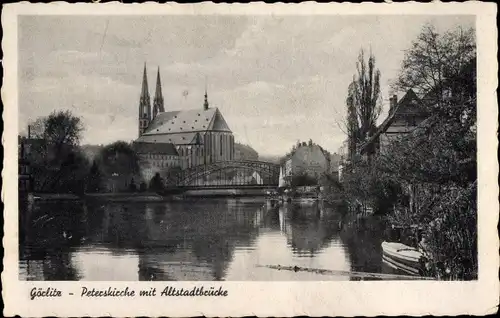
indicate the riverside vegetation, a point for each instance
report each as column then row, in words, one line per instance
column 428, row 178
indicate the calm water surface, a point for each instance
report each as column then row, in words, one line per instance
column 226, row 239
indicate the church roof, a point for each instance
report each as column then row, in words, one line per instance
column 155, row 148
column 187, row 121
column 175, row 138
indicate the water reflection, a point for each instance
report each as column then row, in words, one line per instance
column 189, row 240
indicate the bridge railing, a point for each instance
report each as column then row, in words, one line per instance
column 228, row 173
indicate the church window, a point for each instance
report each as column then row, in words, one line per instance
column 196, row 120
column 198, row 114
column 192, row 127
column 221, row 141
column 184, row 121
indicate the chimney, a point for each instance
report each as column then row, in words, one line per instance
column 393, row 102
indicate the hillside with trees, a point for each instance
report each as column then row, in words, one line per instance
column 244, row 152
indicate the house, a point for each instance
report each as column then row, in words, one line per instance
column 308, row 159
column 404, row 117
column 156, row 158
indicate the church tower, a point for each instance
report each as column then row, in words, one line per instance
column 144, row 105
column 158, row 101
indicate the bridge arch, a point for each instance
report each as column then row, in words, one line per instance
column 237, row 173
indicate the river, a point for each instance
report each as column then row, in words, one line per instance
column 195, row 240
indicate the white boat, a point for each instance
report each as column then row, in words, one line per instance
column 402, row 257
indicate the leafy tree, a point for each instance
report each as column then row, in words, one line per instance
column 62, row 128
column 429, row 177
column 119, row 163
column 94, row 180
column 363, row 102
column 435, row 63
column 56, row 159
column 435, row 166
column 156, row 184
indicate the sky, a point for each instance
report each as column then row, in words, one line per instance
column 276, row 79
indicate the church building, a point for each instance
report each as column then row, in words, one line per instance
column 200, row 136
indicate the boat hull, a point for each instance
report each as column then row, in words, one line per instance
column 402, row 257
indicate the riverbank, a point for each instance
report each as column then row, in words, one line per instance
column 147, row 196
column 128, row 197
column 53, row 197
column 155, row 197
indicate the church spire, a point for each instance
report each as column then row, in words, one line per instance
column 205, row 103
column 144, row 104
column 158, row 100
column 145, row 90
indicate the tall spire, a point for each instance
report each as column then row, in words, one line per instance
column 158, row 100
column 145, row 90
column 205, row 104
column 144, row 104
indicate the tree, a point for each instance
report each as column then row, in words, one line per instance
column 436, row 164
column 119, row 163
column 94, row 180
column 363, row 103
column 62, row 128
column 435, row 63
column 57, row 162
column 156, row 184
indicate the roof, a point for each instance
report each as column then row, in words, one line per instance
column 176, row 138
column 408, row 104
column 195, row 120
column 155, row 148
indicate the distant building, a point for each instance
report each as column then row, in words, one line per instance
column 200, row 136
column 156, row 158
column 308, row 159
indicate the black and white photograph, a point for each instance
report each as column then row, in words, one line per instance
column 247, row 147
